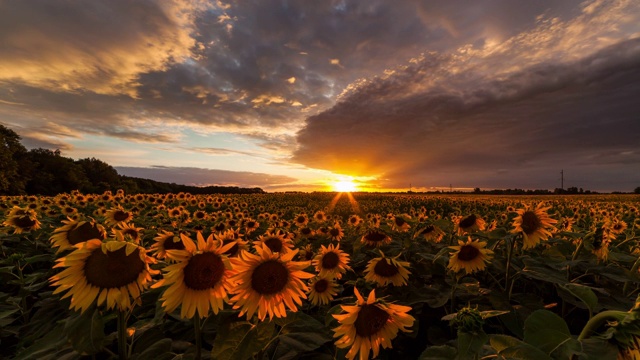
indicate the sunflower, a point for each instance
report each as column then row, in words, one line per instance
column 430, row 233
column 130, row 231
column 399, row 223
column 267, row 281
column 250, row 225
column 470, row 256
column 117, row 215
column 375, row 237
column 331, row 261
column 276, row 241
column 111, row 272
column 336, row 232
column 76, row 232
column 301, row 220
column 369, row 324
column 200, row 280
column 320, row 216
column 469, row 224
column 232, row 236
column 383, row 270
column 354, row 220
column 22, row 220
column 533, row 224
column 322, row 290
column 166, row 240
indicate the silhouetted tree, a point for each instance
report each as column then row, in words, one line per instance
column 54, row 174
column 12, row 153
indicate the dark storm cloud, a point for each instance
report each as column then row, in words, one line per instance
column 205, row 177
column 509, row 116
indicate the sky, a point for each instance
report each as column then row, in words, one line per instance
column 296, row 95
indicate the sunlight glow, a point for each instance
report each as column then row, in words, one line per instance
column 344, row 186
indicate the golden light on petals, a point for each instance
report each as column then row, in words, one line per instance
column 470, row 256
column 267, row 283
column 22, row 220
column 384, row 270
column 369, row 325
column 534, row 225
column 200, row 281
column 113, row 272
column 322, row 290
column 75, row 232
column 331, row 262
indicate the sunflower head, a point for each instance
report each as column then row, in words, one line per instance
column 375, row 237
column 113, row 272
column 533, row 224
column 22, row 220
column 166, row 240
column 117, row 216
column 469, row 224
column 468, row 320
column 383, row 270
column 470, row 256
column 322, row 290
column 75, row 232
column 367, row 325
column 331, row 261
column 276, row 241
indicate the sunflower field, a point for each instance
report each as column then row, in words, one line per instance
column 319, row 276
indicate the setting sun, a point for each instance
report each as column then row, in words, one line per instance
column 344, row 186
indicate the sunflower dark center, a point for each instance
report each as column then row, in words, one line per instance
column 399, row 221
column 200, row 215
column 131, row 232
column 468, row 253
column 371, row 319
column 234, row 248
column 530, row 222
column 321, row 286
column 429, row 229
column 120, row 215
column 300, row 219
column 469, row 221
column 274, row 244
column 203, row 271
column 305, row 231
column 219, row 227
column 84, row 232
column 375, row 236
column 251, row 224
column 385, row 269
column 170, row 244
column 113, row 269
column 24, row 222
column 334, row 232
column 330, row 260
column 270, row 277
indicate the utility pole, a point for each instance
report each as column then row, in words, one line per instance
column 562, row 179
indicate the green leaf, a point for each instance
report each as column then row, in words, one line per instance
column 86, row 332
column 597, row 349
column 512, row 348
column 300, row 333
column 161, row 350
column 585, row 294
column 443, row 352
column 469, row 344
column 240, row 340
column 550, row 333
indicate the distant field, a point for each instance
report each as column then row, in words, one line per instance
column 319, row 276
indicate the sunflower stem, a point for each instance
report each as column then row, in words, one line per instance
column 122, row 335
column 198, row 334
column 598, row 320
column 633, row 270
column 511, row 245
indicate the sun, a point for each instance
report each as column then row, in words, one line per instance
column 344, row 186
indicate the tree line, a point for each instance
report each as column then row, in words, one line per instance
column 46, row 172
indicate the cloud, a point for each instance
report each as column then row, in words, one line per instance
column 508, row 114
column 206, row 177
column 97, row 46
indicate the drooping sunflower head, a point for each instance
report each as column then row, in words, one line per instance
column 129, row 232
column 322, row 290
column 117, row 216
column 331, row 261
column 383, row 270
column 470, row 256
column 469, row 224
column 166, row 240
column 400, row 222
column 367, row 325
column 235, row 238
column 75, row 232
column 533, row 224
column 275, row 241
column 113, row 272
column 430, row 233
column 375, row 237
column 22, row 220
column 266, row 282
column 200, row 280
column 335, row 232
